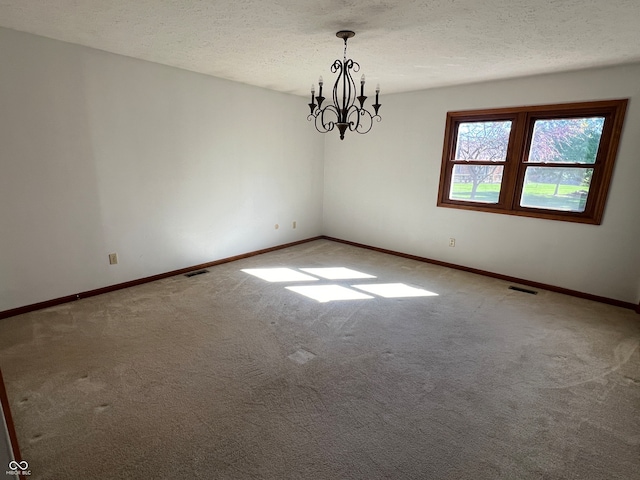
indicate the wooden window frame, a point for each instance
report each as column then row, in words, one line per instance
column 523, row 119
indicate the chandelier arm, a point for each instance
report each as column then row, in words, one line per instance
column 345, row 74
column 351, row 84
column 346, row 81
column 328, row 125
column 338, row 67
column 317, row 117
column 324, row 128
column 355, row 66
column 353, row 118
column 367, row 124
column 318, row 113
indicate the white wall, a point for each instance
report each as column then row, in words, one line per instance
column 101, row 153
column 381, row 189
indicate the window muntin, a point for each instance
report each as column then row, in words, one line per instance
column 552, row 161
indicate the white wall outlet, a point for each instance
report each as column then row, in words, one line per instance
column 294, row 224
column 452, row 242
column 113, row 259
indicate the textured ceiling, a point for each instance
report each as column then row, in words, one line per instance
column 402, row 44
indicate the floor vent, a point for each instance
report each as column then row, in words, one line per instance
column 520, row 289
column 193, row 274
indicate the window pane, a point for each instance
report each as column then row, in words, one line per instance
column 567, row 140
column 553, row 188
column 483, row 141
column 476, row 183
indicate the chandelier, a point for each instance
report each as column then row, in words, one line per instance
column 343, row 112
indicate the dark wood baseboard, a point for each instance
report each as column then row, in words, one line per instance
column 11, row 429
column 98, row 291
column 132, row 283
column 521, row 281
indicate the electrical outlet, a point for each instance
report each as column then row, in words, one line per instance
column 294, row 224
column 452, row 242
column 113, row 259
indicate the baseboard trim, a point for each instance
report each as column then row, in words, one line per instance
column 8, row 420
column 521, row 281
column 119, row 286
column 111, row 288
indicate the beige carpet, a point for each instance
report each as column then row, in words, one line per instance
column 227, row 376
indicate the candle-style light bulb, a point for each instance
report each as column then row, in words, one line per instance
column 362, row 79
column 377, row 104
column 362, row 85
column 312, row 105
column 320, row 82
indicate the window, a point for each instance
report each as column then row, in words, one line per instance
column 551, row 161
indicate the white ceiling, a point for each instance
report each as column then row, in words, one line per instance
column 404, row 45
